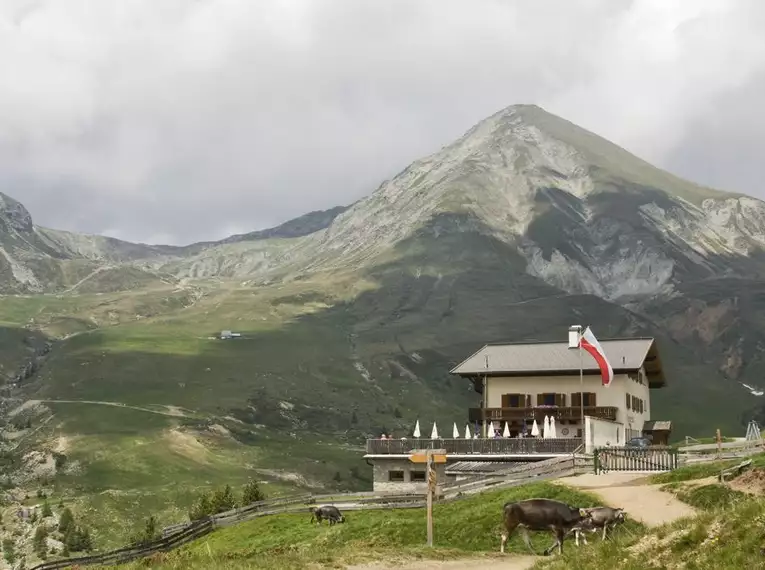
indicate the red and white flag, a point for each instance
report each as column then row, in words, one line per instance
column 589, row 343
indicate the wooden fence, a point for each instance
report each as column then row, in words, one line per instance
column 634, row 459
column 176, row 536
column 190, row 532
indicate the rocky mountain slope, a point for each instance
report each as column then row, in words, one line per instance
column 522, row 226
column 586, row 216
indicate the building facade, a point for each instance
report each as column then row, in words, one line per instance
column 523, row 382
column 399, row 475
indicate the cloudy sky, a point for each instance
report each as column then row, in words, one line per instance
column 180, row 120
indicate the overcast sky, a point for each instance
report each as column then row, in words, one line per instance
column 180, row 120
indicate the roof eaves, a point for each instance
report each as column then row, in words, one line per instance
column 452, row 371
column 550, row 372
column 525, row 342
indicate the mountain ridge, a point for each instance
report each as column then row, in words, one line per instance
column 581, row 215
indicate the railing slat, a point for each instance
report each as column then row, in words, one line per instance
column 635, row 459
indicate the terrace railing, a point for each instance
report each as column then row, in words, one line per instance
column 486, row 446
column 539, row 412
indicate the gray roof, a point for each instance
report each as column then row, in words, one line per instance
column 545, row 358
column 479, row 466
column 657, row 425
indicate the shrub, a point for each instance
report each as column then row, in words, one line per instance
column 223, row 500
column 66, row 521
column 252, row 493
column 78, row 539
column 9, row 550
column 148, row 534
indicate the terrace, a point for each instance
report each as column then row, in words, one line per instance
column 483, row 446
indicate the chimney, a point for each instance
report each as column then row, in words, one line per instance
column 573, row 335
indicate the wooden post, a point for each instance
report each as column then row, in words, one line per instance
column 719, row 444
column 430, row 474
column 429, row 457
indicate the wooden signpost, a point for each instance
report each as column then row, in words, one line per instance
column 719, row 443
column 429, row 457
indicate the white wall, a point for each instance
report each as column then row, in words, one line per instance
column 613, row 395
column 631, row 418
column 601, row 433
column 381, row 483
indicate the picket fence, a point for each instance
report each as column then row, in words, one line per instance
column 652, row 459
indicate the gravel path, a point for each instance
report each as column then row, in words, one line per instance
column 645, row 503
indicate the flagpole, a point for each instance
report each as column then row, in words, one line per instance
column 581, row 384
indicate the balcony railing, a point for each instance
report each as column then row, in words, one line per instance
column 538, row 413
column 495, row 446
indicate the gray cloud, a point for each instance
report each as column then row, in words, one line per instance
column 180, row 120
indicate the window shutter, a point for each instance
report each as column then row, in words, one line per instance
column 558, row 399
column 563, row 399
column 505, row 400
column 576, row 399
column 593, row 399
column 528, row 400
column 628, row 401
column 540, row 399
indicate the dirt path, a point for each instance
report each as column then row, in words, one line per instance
column 172, row 411
column 645, row 503
column 89, row 276
column 509, row 562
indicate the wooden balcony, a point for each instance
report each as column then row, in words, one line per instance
column 538, row 413
column 494, row 446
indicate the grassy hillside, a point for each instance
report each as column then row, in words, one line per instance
column 469, row 526
column 139, row 397
column 723, row 537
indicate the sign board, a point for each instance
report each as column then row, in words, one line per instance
column 422, row 458
column 429, row 457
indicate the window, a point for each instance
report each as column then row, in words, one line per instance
column 514, row 400
column 589, row 399
column 550, row 399
column 396, row 476
column 546, row 399
column 418, row 476
column 628, row 401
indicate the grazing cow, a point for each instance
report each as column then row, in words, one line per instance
column 328, row 512
column 600, row 517
column 541, row 514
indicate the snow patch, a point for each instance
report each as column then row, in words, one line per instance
column 753, row 391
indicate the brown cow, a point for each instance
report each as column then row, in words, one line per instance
column 541, row 514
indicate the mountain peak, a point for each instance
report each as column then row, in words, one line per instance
column 614, row 164
column 14, row 214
